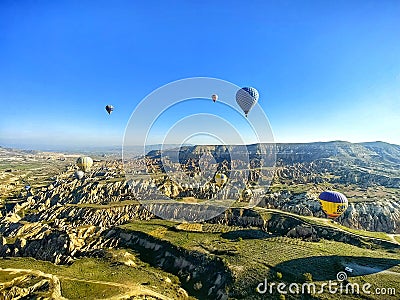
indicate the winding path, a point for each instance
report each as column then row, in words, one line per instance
column 392, row 237
column 133, row 289
column 56, row 294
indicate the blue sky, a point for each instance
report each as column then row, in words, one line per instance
column 325, row 70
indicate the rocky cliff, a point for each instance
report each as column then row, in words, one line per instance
column 379, row 215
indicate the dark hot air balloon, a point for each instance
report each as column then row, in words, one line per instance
column 247, row 97
column 109, row 108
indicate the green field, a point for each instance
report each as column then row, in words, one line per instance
column 96, row 278
column 252, row 255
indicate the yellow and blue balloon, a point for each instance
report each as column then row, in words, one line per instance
column 333, row 203
column 220, row 179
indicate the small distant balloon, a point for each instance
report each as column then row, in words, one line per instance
column 84, row 163
column 247, row 97
column 214, row 97
column 109, row 108
column 220, row 179
column 247, row 194
column 79, row 174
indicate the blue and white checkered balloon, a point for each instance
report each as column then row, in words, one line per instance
column 247, row 97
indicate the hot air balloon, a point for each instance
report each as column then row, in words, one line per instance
column 333, row 203
column 247, row 194
column 247, row 97
column 79, row 174
column 84, row 163
column 214, row 97
column 109, row 108
column 220, row 179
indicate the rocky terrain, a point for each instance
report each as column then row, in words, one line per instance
column 378, row 215
column 62, row 218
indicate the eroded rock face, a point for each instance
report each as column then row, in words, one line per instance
column 306, row 204
column 380, row 215
column 303, row 232
column 25, row 287
column 200, row 274
column 240, row 217
column 377, row 216
column 74, row 216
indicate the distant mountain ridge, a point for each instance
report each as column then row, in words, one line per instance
column 364, row 164
column 374, row 151
column 378, row 152
column 390, row 152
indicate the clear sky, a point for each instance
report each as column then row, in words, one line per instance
column 325, row 70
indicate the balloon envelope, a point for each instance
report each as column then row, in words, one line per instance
column 247, row 194
column 214, row 97
column 79, row 174
column 84, row 163
column 247, row 97
column 109, row 108
column 220, row 179
column 333, row 203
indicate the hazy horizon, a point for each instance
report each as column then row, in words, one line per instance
column 83, row 148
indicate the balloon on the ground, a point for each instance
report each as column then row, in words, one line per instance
column 247, row 97
column 84, row 163
column 220, row 179
column 333, row 203
column 214, row 97
column 79, row 174
column 109, row 108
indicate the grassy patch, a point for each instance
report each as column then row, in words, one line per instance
column 72, row 289
column 255, row 257
column 92, row 278
column 7, row 276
